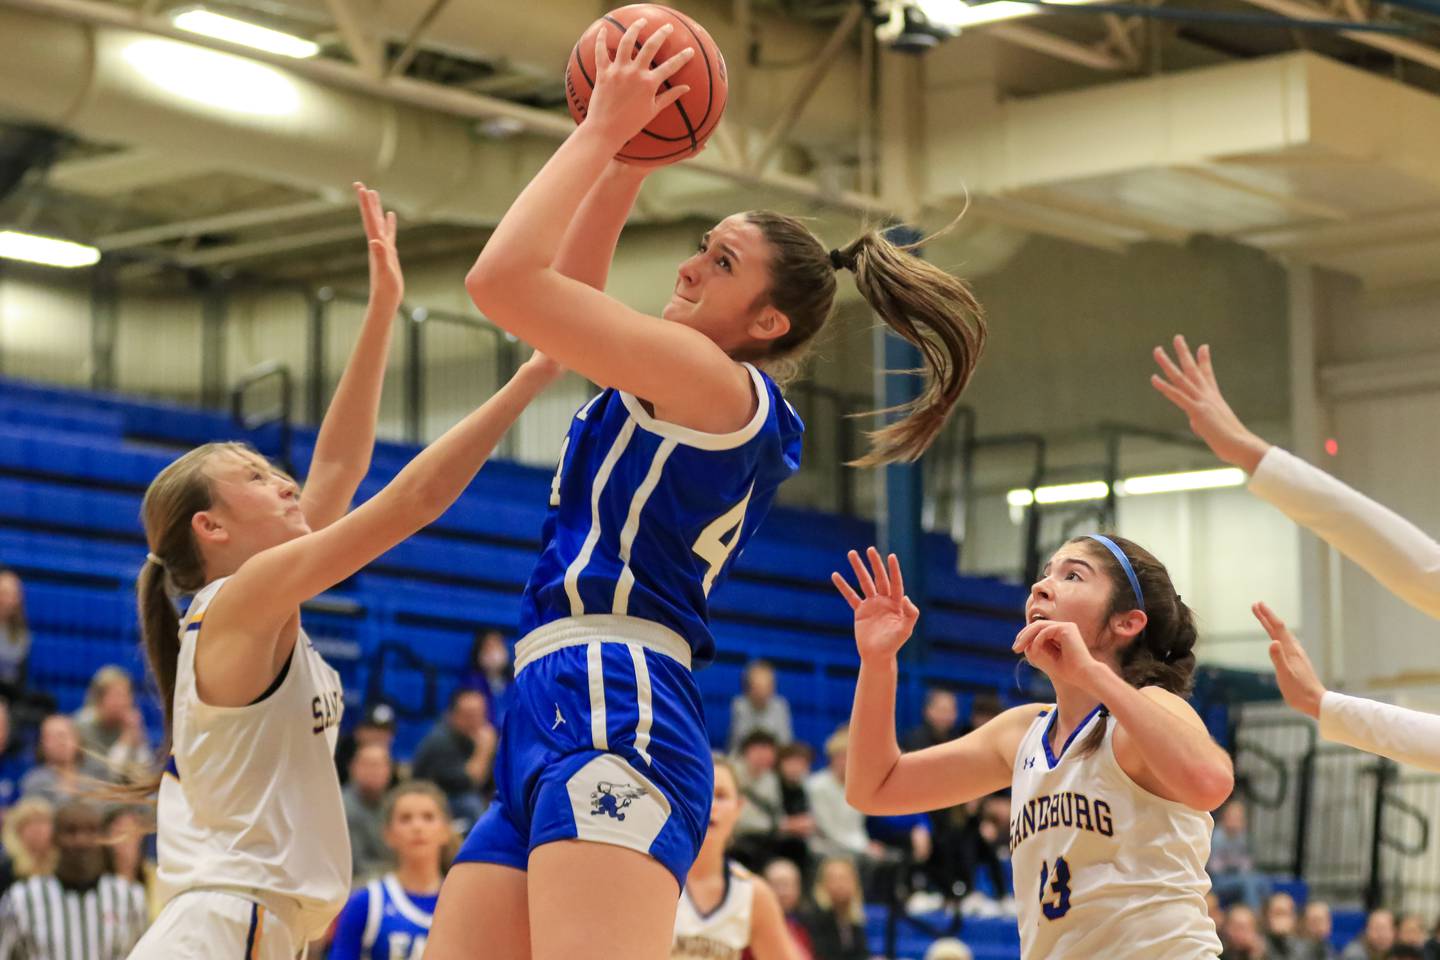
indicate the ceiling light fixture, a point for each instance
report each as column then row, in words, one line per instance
column 46, row 251
column 246, row 34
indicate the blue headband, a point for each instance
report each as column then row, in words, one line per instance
column 1124, row 565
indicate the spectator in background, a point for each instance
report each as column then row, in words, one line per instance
column 364, row 799
column 986, row 706
column 1375, row 940
column 980, row 844
column 491, row 672
column 110, row 726
column 105, row 913
column 1231, row 867
column 123, row 832
column 1410, row 931
column 377, row 726
column 1241, row 935
column 14, row 763
column 63, row 769
column 785, row 879
column 29, row 840
column 949, row 948
column 14, row 636
column 939, row 721
column 1405, row 951
column 1214, row 911
column 797, row 762
column 837, row 924
column 757, row 831
column 458, row 753
column 1432, row 946
column 1315, row 928
column 839, row 827
column 1281, row 939
column 759, row 707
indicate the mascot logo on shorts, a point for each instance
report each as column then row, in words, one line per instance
column 611, row 799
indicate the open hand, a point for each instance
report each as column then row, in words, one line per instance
column 1056, row 649
column 630, row 89
column 387, row 284
column 1190, row 384
column 884, row 616
column 1299, row 684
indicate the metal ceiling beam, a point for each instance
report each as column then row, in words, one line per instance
column 433, row 96
column 120, row 172
column 1300, row 205
column 362, row 46
column 1056, row 46
column 216, row 256
column 412, row 42
column 1101, row 213
column 1401, row 47
column 807, row 87
column 221, row 223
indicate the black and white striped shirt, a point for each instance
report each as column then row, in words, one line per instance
column 41, row 920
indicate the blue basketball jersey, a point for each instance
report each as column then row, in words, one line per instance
column 646, row 516
column 383, row 922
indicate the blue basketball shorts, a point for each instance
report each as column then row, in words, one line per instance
column 604, row 741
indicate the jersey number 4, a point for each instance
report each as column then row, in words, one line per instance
column 712, row 545
column 1055, row 889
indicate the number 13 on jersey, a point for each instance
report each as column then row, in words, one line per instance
column 1055, row 889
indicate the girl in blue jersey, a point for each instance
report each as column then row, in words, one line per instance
column 604, row 774
column 389, row 918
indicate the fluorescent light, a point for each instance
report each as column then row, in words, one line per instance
column 1132, row 487
column 246, row 34
column 215, row 79
column 1179, row 482
column 957, row 15
column 46, row 250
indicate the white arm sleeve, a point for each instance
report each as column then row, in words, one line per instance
column 1408, row 736
column 1387, row 546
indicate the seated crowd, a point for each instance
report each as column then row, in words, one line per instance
column 71, row 833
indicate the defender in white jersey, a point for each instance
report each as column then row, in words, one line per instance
column 725, row 909
column 254, row 854
column 1110, row 785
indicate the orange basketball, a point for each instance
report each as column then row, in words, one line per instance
column 680, row 129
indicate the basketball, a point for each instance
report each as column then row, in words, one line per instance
column 681, row 129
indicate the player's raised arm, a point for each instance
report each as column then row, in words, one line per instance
column 347, row 434
column 879, row 779
column 269, row 587
column 1391, row 549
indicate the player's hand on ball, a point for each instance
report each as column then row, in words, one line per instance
column 1190, row 384
column 1056, row 649
column 1299, row 684
column 628, row 86
column 884, row 616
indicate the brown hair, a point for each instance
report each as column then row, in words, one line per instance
column 17, row 626
column 424, row 788
column 1161, row 655
column 934, row 311
column 177, row 493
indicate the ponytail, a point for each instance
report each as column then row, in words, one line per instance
column 934, row 311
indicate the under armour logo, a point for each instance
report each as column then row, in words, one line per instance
column 559, row 718
column 1029, row 762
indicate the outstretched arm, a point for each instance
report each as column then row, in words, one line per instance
column 517, row 283
column 1394, row 551
column 1409, row 736
column 269, row 587
column 879, row 779
column 347, row 434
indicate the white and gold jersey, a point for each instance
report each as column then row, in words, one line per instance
column 1103, row 867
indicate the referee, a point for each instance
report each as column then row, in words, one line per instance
column 80, row 913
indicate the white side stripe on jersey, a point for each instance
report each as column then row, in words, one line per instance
column 595, row 667
column 643, row 701
column 626, row 581
column 373, row 911
column 602, row 476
